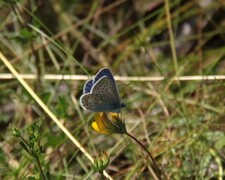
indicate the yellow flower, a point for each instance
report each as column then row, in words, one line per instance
column 108, row 123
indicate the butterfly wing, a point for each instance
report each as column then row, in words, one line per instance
column 104, row 72
column 96, row 103
column 104, row 96
column 106, row 86
column 101, row 73
column 88, row 86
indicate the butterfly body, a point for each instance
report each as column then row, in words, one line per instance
column 100, row 94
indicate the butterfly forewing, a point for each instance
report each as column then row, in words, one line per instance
column 88, row 86
column 107, row 87
column 104, row 72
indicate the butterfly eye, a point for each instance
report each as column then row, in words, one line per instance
column 123, row 105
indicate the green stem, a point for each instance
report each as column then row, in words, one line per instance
column 157, row 174
column 39, row 167
column 35, row 157
column 102, row 175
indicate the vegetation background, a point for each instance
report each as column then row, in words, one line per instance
column 180, row 122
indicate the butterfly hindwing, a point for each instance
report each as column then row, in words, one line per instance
column 96, row 103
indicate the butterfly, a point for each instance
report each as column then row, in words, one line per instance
column 100, row 94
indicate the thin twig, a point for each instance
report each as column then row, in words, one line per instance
column 118, row 78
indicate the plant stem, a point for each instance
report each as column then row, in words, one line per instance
column 39, row 167
column 157, row 174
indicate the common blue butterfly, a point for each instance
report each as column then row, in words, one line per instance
column 100, row 94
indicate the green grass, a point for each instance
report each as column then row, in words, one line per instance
column 180, row 122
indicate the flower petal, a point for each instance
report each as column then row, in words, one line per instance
column 98, row 125
column 108, row 123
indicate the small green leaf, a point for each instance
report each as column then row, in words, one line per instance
column 11, row 1
column 24, row 146
column 45, row 96
column 31, row 178
column 26, row 34
column 15, row 132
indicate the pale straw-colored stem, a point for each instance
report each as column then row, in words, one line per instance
column 118, row 78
